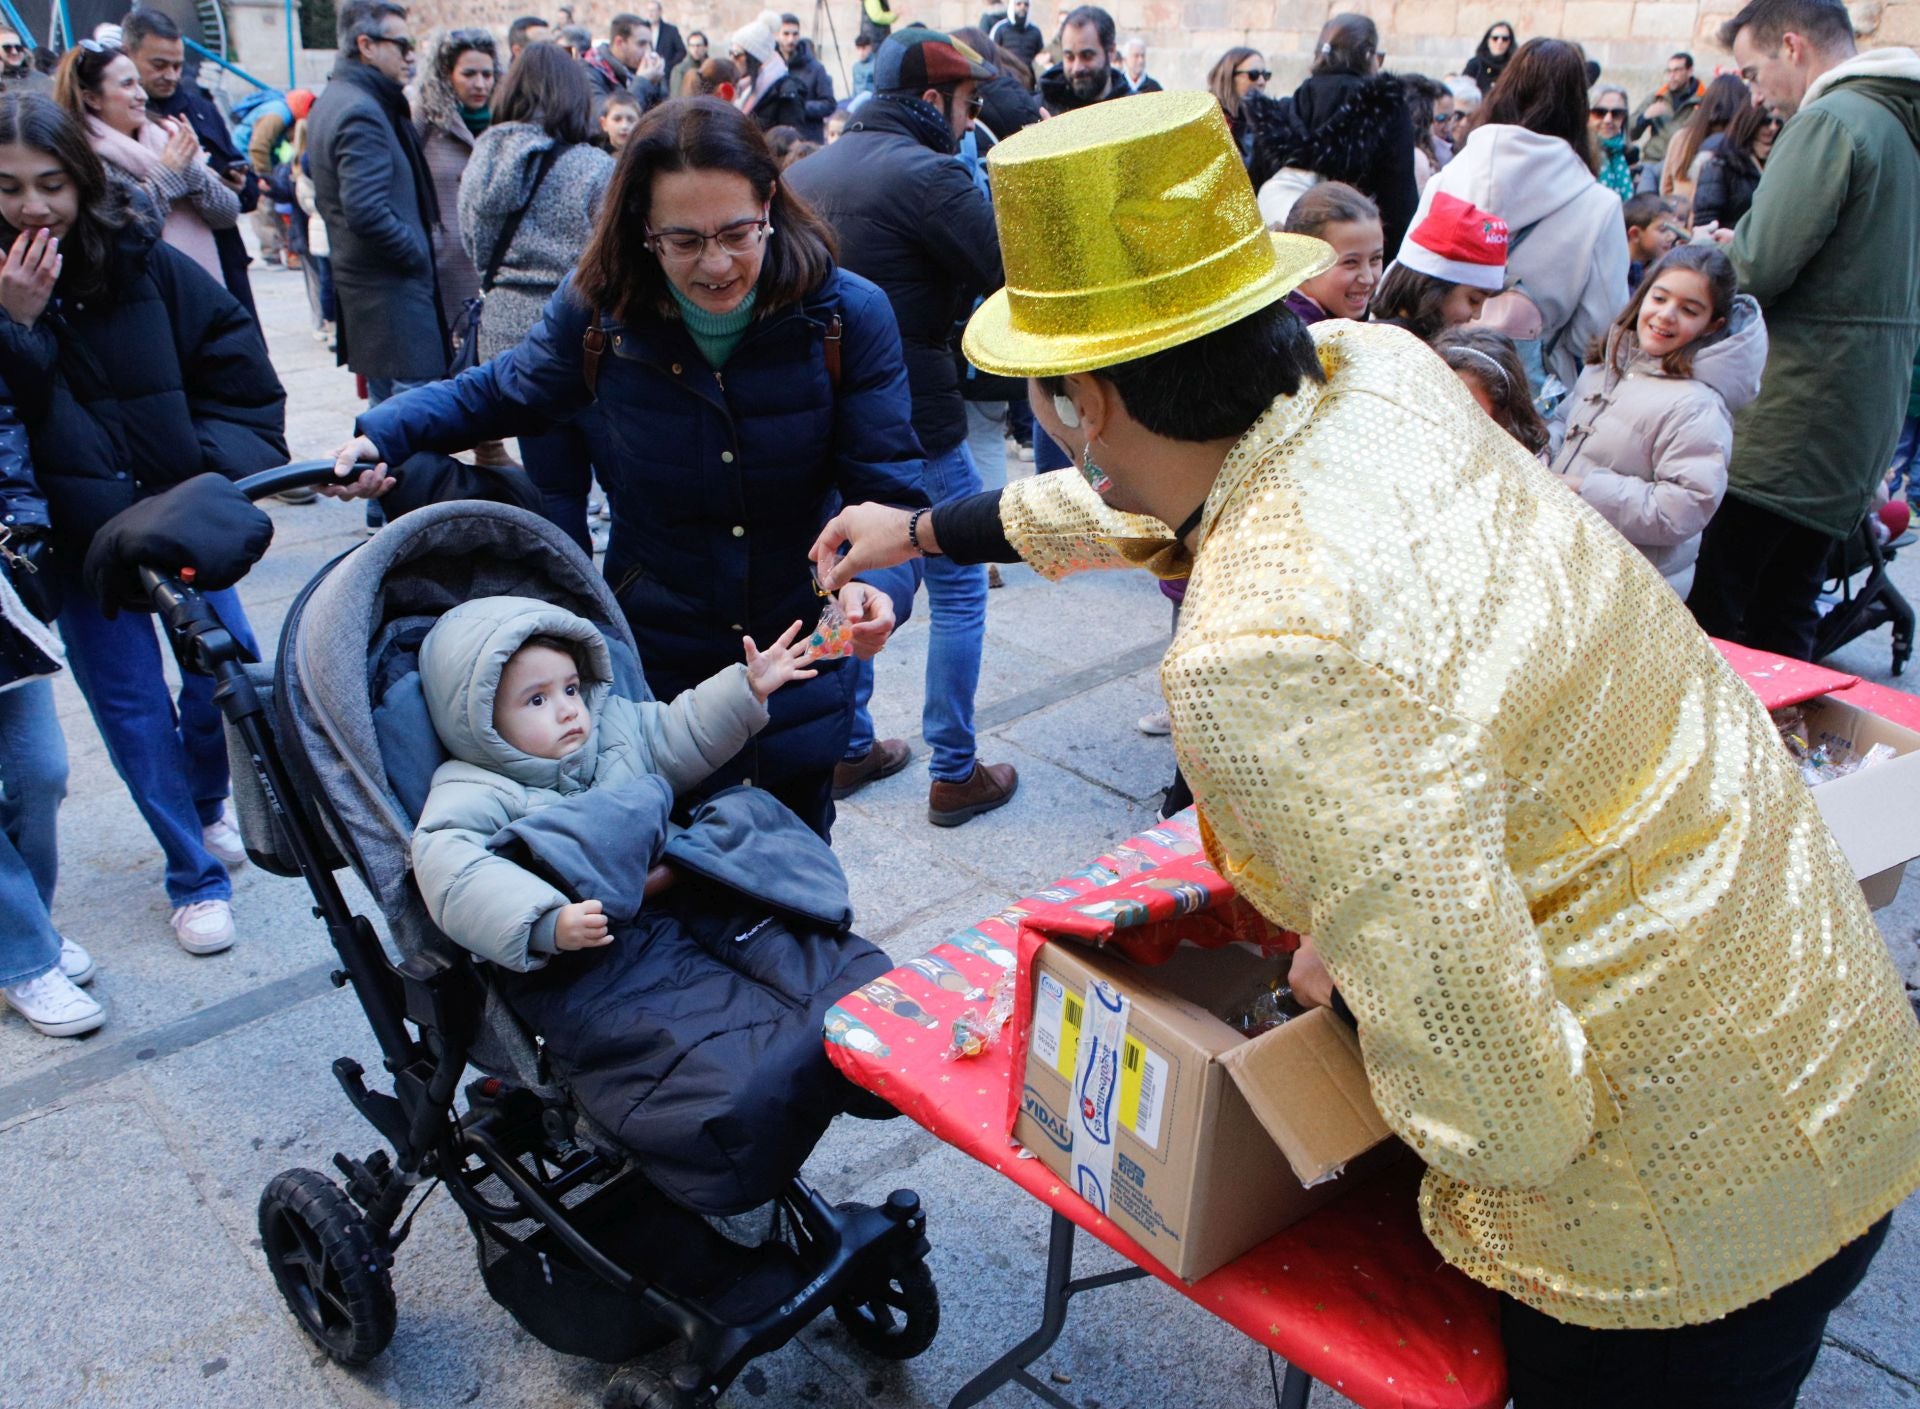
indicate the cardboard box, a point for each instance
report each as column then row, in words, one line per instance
column 1873, row 813
column 1197, row 1141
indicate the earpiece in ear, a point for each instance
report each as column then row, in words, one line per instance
column 1063, row 407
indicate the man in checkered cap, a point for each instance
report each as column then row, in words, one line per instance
column 909, row 218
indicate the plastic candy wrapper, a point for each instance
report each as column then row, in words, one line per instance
column 833, row 637
column 1828, row 759
column 976, row 1027
column 1269, row 1008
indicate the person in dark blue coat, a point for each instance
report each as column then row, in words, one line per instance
column 133, row 370
column 745, row 387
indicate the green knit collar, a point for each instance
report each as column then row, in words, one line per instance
column 701, row 323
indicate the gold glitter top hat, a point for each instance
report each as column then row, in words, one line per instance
column 1126, row 228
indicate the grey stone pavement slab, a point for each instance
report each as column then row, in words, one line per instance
column 130, row 1272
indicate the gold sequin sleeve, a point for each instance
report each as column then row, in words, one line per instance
column 1345, row 807
column 1058, row 525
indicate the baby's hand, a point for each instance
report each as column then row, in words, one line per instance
column 582, row 925
column 784, row 660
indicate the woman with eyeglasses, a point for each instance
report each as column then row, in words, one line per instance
column 1347, row 122
column 1607, row 120
column 101, row 87
column 1238, row 80
column 736, row 386
column 536, row 163
column 1489, row 60
column 1430, row 111
column 18, row 72
column 1731, row 176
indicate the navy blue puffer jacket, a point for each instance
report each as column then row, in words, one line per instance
column 718, row 484
column 129, row 394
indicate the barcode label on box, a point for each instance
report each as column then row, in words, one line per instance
column 1143, row 1090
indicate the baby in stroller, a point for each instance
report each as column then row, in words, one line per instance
column 686, row 1023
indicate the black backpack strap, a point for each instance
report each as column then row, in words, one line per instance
column 505, row 240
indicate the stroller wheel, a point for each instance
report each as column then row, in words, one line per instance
column 636, row 1387
column 894, row 1319
column 326, row 1265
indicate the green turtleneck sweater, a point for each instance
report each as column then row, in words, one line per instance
column 715, row 334
column 478, row 120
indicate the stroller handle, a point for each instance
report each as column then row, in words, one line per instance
column 301, row 474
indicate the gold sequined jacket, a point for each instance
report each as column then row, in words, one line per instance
column 1615, row 981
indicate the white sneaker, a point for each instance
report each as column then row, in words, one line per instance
column 54, row 1006
column 223, row 839
column 75, row 963
column 1157, row 724
column 204, row 927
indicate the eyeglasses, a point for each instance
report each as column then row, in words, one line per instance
column 1608, row 114
column 1499, row 39
column 1256, row 75
column 400, row 42
column 1773, row 124
column 13, row 48
column 685, row 246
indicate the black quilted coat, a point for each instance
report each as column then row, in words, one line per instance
column 1343, row 127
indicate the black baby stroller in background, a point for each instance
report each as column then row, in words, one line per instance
column 1867, row 605
column 573, row 1240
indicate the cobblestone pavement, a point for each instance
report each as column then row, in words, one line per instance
column 131, row 1273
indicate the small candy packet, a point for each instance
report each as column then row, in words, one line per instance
column 975, row 1029
column 832, row 638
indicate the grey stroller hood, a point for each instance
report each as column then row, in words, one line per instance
column 347, row 657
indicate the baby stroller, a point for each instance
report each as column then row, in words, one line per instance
column 1861, row 607
column 573, row 1240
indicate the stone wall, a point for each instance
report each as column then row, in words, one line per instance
column 1630, row 38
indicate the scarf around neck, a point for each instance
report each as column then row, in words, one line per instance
column 393, row 102
column 139, row 158
column 915, row 117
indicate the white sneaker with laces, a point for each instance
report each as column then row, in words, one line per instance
column 204, row 927
column 1156, row 724
column 75, row 963
column 222, row 837
column 54, row 1006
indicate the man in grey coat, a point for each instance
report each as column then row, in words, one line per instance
column 375, row 193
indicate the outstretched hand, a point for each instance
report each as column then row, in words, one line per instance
column 785, row 660
column 874, row 535
column 370, row 484
column 581, row 925
column 870, row 620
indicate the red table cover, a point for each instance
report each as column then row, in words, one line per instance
column 1354, row 1295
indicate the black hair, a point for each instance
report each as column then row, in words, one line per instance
column 550, row 90
column 694, row 34
column 1409, row 299
column 1681, row 54
column 41, row 125
column 1492, row 360
column 1347, row 44
column 1216, row 386
column 1643, row 208
column 1825, row 22
column 622, row 26
column 144, row 24
column 1101, row 21
column 793, row 20
column 517, row 31
column 576, row 651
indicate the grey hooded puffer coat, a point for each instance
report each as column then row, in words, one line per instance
column 481, row 900
column 1650, row 451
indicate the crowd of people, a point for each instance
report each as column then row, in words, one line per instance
column 711, row 300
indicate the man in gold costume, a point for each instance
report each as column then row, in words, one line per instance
column 1614, row 980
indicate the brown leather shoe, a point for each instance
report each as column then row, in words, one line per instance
column 886, row 758
column 992, row 785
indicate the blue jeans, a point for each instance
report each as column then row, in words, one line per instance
column 33, row 780
column 1906, row 459
column 381, row 389
column 560, row 464
column 957, row 599
column 173, row 763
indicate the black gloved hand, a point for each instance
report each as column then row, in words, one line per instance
column 206, row 526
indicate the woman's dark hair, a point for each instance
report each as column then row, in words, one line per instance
column 548, row 88
column 446, row 55
column 1421, row 94
column 1493, row 362
column 1544, row 89
column 1412, row 300
column 1220, row 78
column 1725, row 99
column 1218, row 385
column 1347, row 44
column 1485, row 51
column 618, row 273
column 780, row 140
column 79, row 73
column 1742, row 133
column 1329, row 203
column 706, row 80
column 1723, row 287
column 41, row 125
